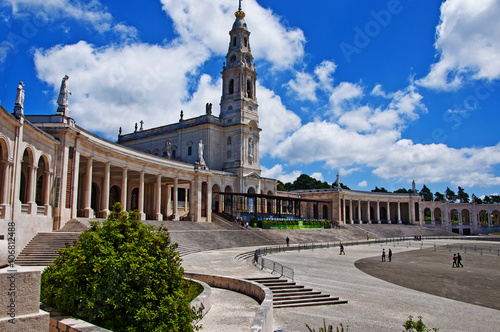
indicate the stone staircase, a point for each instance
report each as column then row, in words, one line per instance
column 42, row 249
column 287, row 294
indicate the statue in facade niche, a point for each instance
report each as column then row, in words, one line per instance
column 168, row 147
column 200, row 153
column 250, row 150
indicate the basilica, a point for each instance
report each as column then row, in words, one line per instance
column 53, row 171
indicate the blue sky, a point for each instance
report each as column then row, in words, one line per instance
column 383, row 92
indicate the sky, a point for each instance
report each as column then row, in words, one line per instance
column 383, row 92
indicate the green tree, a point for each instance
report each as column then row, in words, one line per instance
column 450, row 195
column 438, row 197
column 487, row 200
column 462, row 195
column 281, row 186
column 379, row 190
column 426, row 194
column 121, row 275
column 477, row 200
column 495, row 199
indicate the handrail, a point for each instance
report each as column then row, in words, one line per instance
column 288, row 272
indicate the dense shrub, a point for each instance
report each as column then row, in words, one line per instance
column 121, row 275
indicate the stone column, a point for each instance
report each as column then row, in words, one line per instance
column 30, row 199
column 209, row 200
column 169, row 201
column 76, row 175
column 176, row 188
column 46, row 188
column 360, row 217
column 350, row 211
column 5, row 183
column 460, row 220
column 87, row 210
column 490, row 219
column 192, row 205
column 378, row 213
column 343, row 214
column 105, row 191
column 140, row 203
column 433, row 221
column 399, row 213
column 159, row 216
column 124, row 188
column 368, row 212
column 389, row 212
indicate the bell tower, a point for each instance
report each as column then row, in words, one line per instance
column 238, row 106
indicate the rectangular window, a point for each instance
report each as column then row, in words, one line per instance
column 229, row 155
column 190, row 150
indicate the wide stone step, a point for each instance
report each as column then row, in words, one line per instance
column 43, row 248
column 298, row 290
column 304, row 301
column 280, row 295
column 289, row 287
column 288, row 294
column 309, row 304
column 300, row 297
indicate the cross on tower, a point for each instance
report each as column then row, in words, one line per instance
column 239, row 8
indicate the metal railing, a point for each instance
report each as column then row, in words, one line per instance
column 288, row 272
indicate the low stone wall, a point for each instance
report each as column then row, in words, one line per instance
column 60, row 323
column 263, row 321
column 204, row 300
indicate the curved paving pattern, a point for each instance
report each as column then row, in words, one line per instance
column 431, row 271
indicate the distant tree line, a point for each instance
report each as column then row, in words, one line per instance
column 304, row 182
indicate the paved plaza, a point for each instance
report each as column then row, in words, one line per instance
column 465, row 299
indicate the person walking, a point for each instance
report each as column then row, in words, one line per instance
column 390, row 255
column 454, row 260
column 287, row 241
column 342, row 252
column 383, row 255
column 459, row 260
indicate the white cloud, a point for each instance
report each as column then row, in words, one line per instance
column 209, row 21
column 276, row 121
column 389, row 156
column 92, row 13
column 114, row 87
column 317, row 175
column 343, row 93
column 363, row 184
column 276, row 172
column 303, row 87
column 467, row 43
column 324, row 72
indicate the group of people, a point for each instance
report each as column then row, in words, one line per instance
column 241, row 222
column 389, row 255
column 457, row 260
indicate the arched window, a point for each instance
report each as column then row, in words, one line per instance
column 246, row 42
column 231, row 87
column 249, row 89
column 234, row 41
column 229, row 140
